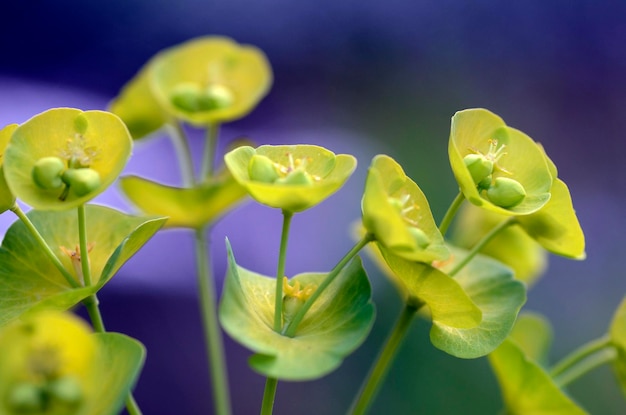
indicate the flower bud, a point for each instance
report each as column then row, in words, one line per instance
column 296, row 178
column 82, row 181
column 479, row 166
column 262, row 169
column 506, row 192
column 186, row 97
column 47, row 173
column 419, row 236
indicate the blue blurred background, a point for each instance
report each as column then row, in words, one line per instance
column 362, row 77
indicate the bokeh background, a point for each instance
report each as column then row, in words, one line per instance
column 362, row 77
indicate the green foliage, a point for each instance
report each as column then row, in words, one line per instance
column 29, row 280
column 337, row 323
column 306, row 174
column 617, row 333
column 7, row 199
column 533, row 334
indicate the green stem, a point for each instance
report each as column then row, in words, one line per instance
column 582, row 360
column 290, row 328
column 91, row 304
column 268, row 396
column 212, row 132
column 481, row 244
column 131, row 405
column 280, row 272
column 379, row 370
column 212, row 332
column 451, row 213
column 181, row 145
column 44, row 246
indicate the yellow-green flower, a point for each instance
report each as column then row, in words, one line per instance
column 64, row 157
column 7, row 199
column 497, row 167
column 291, row 178
column 203, row 81
column 396, row 211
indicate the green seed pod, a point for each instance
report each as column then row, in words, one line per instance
column 66, row 390
column 216, row 96
column 420, row 237
column 25, row 398
column 506, row 192
column 479, row 166
column 296, row 178
column 262, row 169
column 81, row 181
column 47, row 173
column 486, row 182
column 186, row 97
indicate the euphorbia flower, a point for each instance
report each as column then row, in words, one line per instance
column 64, row 157
column 203, row 81
column 291, row 178
column 497, row 167
column 396, row 211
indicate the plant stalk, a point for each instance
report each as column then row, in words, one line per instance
column 269, row 393
column 181, row 146
column 212, row 132
column 582, row 360
column 280, row 272
column 451, row 213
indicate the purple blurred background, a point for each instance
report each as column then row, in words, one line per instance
column 362, row 78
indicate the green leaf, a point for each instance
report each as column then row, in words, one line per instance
column 491, row 286
column 396, row 211
column 512, row 246
column 29, row 280
column 137, row 106
column 7, row 199
column 617, row 333
column 337, row 323
column 95, row 140
column 526, row 388
column 533, row 334
column 185, row 207
column 120, row 360
column 210, row 79
column 421, row 283
column 305, row 174
column 475, row 131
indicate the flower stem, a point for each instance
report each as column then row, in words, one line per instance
column 212, row 333
column 290, row 329
column 280, row 272
column 82, row 242
column 179, row 139
column 44, row 246
column 481, row 244
column 582, row 360
column 379, row 370
column 212, row 132
column 451, row 213
column 268, row 396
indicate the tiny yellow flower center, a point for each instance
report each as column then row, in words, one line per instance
column 294, row 297
column 77, row 153
column 263, row 169
column 409, row 210
column 75, row 258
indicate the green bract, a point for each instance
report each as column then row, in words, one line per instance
column 497, row 167
column 336, row 324
column 93, row 145
column 192, row 207
column 526, row 387
column 51, row 364
column 7, row 199
column 512, row 245
column 396, row 211
column 617, row 333
column 533, row 334
column 203, row 81
column 305, row 174
column 28, row 278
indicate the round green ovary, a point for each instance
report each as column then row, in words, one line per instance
column 65, row 390
column 420, row 237
column 262, row 169
column 190, row 97
column 297, row 178
column 82, row 181
column 25, row 398
column 47, row 173
column 479, row 166
column 506, row 192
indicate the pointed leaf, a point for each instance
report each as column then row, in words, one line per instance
column 533, row 334
column 526, row 387
column 491, row 286
column 185, row 207
column 98, row 141
column 28, row 278
column 337, row 323
column 617, row 332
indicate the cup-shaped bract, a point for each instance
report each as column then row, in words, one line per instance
column 51, row 363
column 289, row 177
column 397, row 213
column 94, row 147
column 497, row 167
column 7, row 199
column 210, row 80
